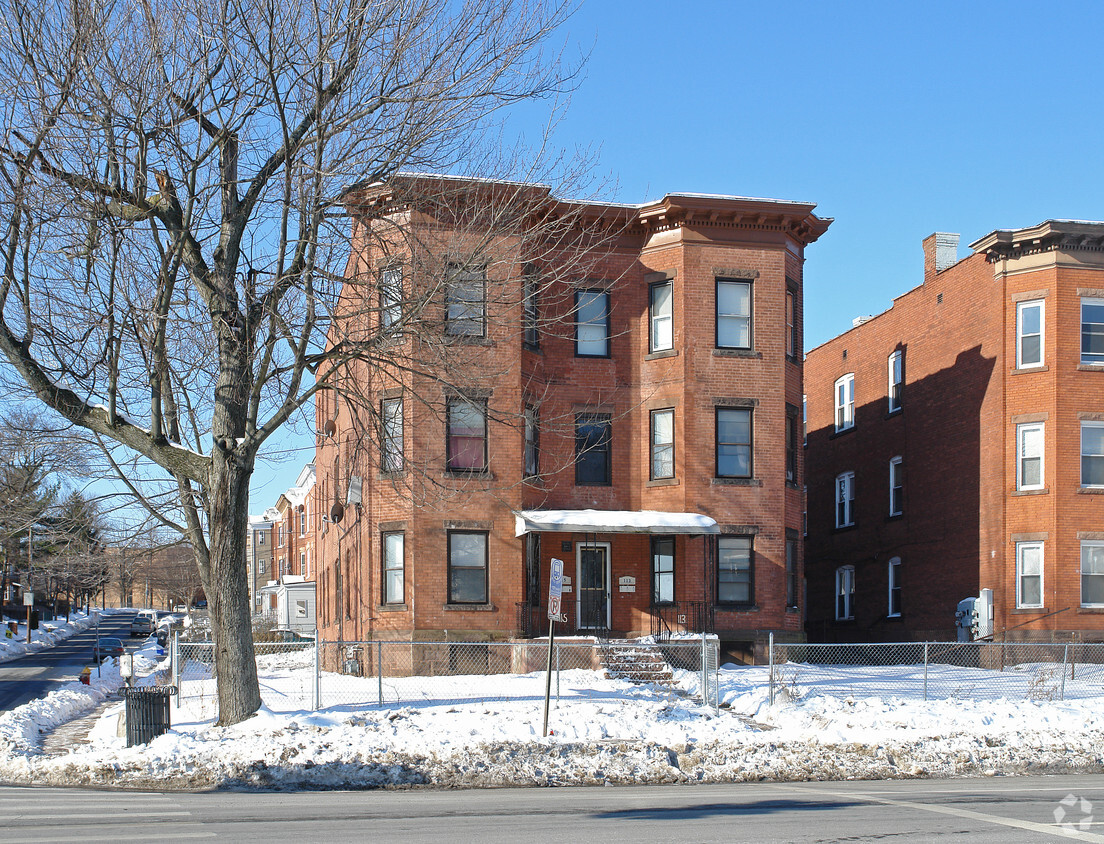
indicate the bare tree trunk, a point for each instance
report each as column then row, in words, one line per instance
column 227, row 591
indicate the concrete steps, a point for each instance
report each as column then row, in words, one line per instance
column 626, row 659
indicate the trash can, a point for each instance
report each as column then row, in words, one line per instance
column 147, row 713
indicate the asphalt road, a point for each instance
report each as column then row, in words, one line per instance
column 990, row 811
column 36, row 674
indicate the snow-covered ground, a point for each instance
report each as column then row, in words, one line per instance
column 604, row 731
column 48, row 634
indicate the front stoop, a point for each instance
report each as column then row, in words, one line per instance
column 625, row 659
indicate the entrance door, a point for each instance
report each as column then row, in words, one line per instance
column 593, row 577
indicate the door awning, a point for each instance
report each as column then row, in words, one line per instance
column 613, row 521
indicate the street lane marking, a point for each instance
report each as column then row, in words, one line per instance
column 122, row 813
column 173, row 834
column 954, row 811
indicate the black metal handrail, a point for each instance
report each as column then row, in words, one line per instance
column 680, row 617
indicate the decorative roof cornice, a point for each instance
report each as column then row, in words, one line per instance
column 1049, row 236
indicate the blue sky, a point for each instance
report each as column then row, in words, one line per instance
column 898, row 119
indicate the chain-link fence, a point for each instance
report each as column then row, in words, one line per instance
column 353, row 674
column 939, row 670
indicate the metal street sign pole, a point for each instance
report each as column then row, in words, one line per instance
column 555, row 591
column 28, row 601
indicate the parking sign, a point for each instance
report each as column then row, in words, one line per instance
column 555, row 588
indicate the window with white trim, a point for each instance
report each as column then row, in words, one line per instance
column 1029, row 333
column 844, row 390
column 393, row 563
column 894, row 579
column 663, row 443
column 791, row 324
column 663, row 569
column 845, row 499
column 1029, row 456
column 845, row 593
column 532, row 441
column 1092, row 331
column 661, row 317
column 530, row 312
column 896, row 380
column 1092, row 454
column 1092, row 574
column 592, row 324
column 1029, row 574
column 391, row 441
column 465, row 301
column 391, row 297
column 733, row 314
column 896, row 487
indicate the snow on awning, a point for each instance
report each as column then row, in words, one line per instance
column 613, row 521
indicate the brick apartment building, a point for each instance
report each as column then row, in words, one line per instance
column 956, row 442
column 646, row 433
column 280, row 554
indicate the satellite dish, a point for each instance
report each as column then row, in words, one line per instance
column 329, row 428
column 337, row 512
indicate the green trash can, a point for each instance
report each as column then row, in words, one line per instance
column 147, row 713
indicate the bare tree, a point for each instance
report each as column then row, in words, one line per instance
column 173, row 179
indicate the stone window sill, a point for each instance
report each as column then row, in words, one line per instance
column 842, row 432
column 737, row 482
column 1027, row 370
column 737, row 353
column 662, row 353
column 1044, row 491
column 737, row 608
column 1090, row 610
column 1029, row 611
column 468, row 607
column 392, row 608
column 663, row 482
column 1091, row 490
column 1090, row 367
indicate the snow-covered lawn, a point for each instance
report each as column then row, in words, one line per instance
column 604, row 731
column 48, row 634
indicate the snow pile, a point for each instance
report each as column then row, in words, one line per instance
column 48, row 634
column 605, row 731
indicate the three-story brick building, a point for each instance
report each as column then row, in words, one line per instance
column 956, row 443
column 639, row 421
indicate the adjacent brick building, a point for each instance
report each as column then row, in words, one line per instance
column 639, row 421
column 956, row 443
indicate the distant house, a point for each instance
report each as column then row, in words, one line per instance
column 655, row 449
column 292, row 603
column 956, row 443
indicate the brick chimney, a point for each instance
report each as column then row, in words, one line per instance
column 940, row 252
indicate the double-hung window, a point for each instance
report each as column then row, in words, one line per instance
column 896, row 487
column 845, row 593
column 1029, row 456
column 530, row 313
column 394, row 559
column 896, row 380
column 592, row 449
column 1092, row 331
column 1029, row 574
column 734, row 570
column 844, row 390
column 791, row 324
column 592, row 324
column 1092, row 454
column 734, row 448
column 663, row 443
column 894, row 577
column 661, row 335
column 532, row 442
column 391, row 297
column 465, row 302
column 845, row 499
column 1029, row 333
column 733, row 314
column 391, row 435
column 1092, row 574
column 467, row 435
column 467, row 572
column 791, row 444
column 663, row 569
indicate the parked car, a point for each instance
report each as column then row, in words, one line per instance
column 141, row 626
column 107, row 646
